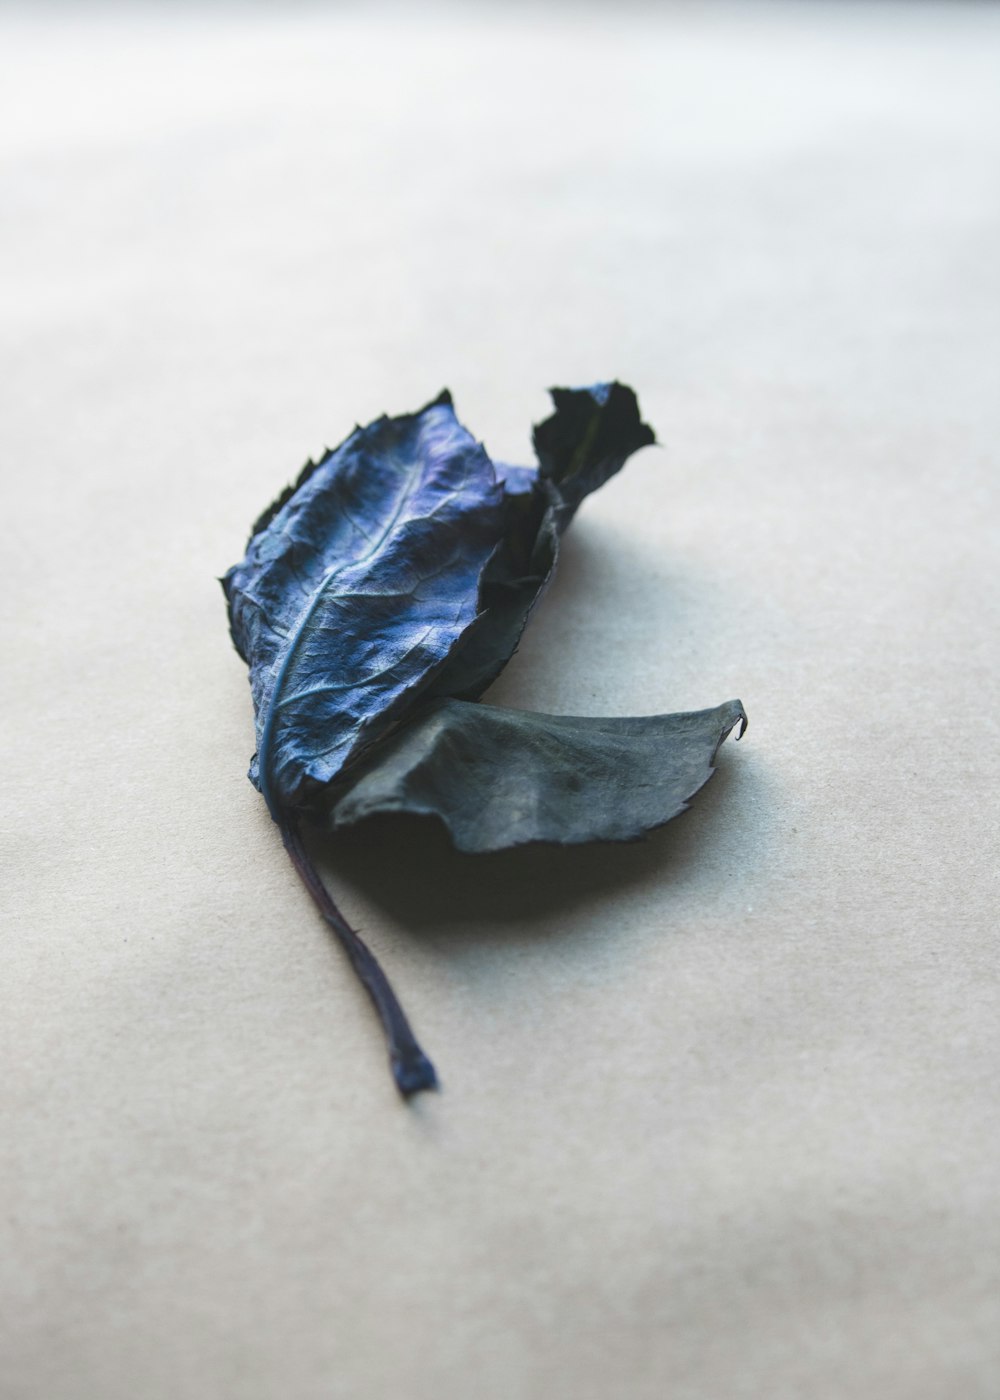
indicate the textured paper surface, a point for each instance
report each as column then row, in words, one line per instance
column 720, row 1111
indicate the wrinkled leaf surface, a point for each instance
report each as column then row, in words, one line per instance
column 356, row 588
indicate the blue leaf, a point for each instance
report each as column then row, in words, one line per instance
column 356, row 589
column 388, row 588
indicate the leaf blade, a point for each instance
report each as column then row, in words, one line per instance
column 499, row 778
column 369, row 570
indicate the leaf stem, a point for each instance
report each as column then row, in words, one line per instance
column 411, row 1068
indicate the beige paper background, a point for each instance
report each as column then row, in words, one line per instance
column 720, row 1114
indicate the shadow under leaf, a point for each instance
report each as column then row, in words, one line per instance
column 407, row 865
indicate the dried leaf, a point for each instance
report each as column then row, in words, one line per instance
column 382, row 594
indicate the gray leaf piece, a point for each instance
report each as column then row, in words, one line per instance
column 500, row 778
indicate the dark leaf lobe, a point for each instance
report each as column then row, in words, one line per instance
column 498, row 778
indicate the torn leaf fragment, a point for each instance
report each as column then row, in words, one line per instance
column 498, row 778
